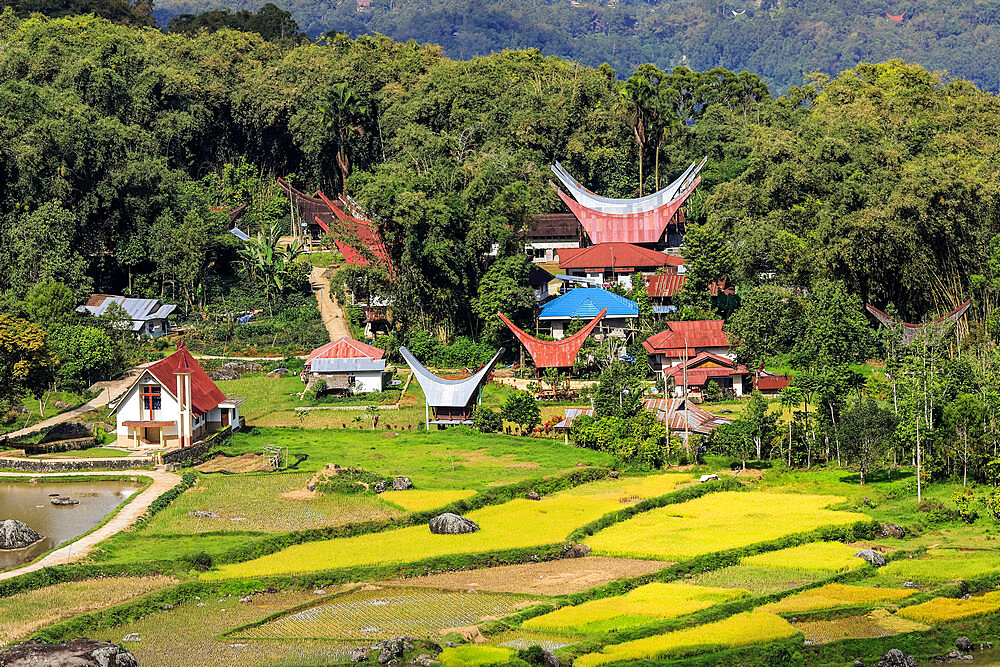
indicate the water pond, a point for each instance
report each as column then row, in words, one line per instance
column 31, row 504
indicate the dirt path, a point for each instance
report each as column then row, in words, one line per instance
column 123, row 519
column 329, row 309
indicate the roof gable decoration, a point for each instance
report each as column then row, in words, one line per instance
column 444, row 393
column 556, row 353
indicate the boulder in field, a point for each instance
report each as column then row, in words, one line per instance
column 452, row 524
column 576, row 551
column 379, row 486
column 62, row 405
column 892, row 530
column 896, row 658
column 79, row 653
column 533, row 495
column 278, row 373
column 64, row 501
column 16, row 534
column 964, row 644
column 872, row 556
column 401, row 484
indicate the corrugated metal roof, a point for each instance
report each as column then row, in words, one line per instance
column 681, row 413
column 572, row 413
column 344, row 348
column 665, row 285
column 346, row 365
column 442, row 393
column 587, row 302
column 691, row 334
column 699, row 373
column 614, row 254
column 138, row 310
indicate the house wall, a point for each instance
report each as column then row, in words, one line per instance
column 364, row 381
column 662, row 360
column 156, row 328
column 129, row 410
column 545, row 251
column 617, row 326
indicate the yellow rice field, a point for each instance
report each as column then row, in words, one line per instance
column 470, row 656
column 518, row 523
column 420, row 500
column 876, row 623
column 716, row 522
column 836, row 595
column 823, row 556
column 642, row 605
column 745, row 629
column 939, row 610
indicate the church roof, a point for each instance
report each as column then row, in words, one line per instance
column 205, row 395
column 345, row 348
column 587, row 302
column 553, row 353
column 443, row 393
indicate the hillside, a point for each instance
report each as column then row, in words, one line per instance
column 777, row 39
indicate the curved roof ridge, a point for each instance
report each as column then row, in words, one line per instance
column 553, row 353
column 442, row 392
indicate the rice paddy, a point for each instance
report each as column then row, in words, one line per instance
column 940, row 610
column 420, row 500
column 831, row 557
column 372, row 615
column 757, row 580
column 640, row 606
column 753, row 627
column 472, row 656
column 836, row 595
column 877, row 623
column 940, row 565
column 716, row 522
column 514, row 524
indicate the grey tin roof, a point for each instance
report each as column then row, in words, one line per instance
column 348, row 365
column 442, row 393
column 138, row 310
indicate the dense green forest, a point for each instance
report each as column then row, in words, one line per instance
column 779, row 40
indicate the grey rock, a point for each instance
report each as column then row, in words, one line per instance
column 278, row 372
column 963, row 644
column 62, row 405
column 452, row 524
column 200, row 604
column 576, row 551
column 613, row 474
column 167, row 606
column 319, row 591
column 224, row 374
column 64, row 501
column 246, row 598
column 16, row 534
column 549, row 659
column 78, row 653
column 533, row 495
column 379, row 486
column 311, row 486
column 359, row 655
column 204, row 514
column 271, row 590
column 242, row 366
column 859, row 663
column 688, row 575
column 910, row 584
column 896, row 658
column 872, row 556
column 401, row 484
column 384, row 656
column 132, row 637
column 425, row 660
column 985, row 646
column 451, row 644
column 892, row 530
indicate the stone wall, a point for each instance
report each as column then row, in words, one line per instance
column 197, row 449
column 43, row 465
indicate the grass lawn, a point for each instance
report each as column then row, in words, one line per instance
column 90, row 452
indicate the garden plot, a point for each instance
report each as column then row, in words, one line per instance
column 515, row 524
column 23, row 613
column 754, row 627
column 554, row 577
column 254, row 502
column 373, row 615
column 877, row 623
column 189, row 634
column 940, row 610
column 640, row 606
column 716, row 522
column 836, row 595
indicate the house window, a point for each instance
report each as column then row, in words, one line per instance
column 150, row 399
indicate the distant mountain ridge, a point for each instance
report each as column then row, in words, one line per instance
column 781, row 40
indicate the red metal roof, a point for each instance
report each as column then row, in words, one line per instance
column 681, row 412
column 345, row 348
column 204, row 394
column 553, row 353
column 628, row 227
column 770, row 382
column 698, row 373
column 695, row 335
column 614, row 255
column 664, row 285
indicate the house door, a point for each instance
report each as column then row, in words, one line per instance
column 225, row 417
column 153, row 435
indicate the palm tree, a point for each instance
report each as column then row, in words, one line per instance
column 636, row 97
column 340, row 110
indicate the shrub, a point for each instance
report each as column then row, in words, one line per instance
column 937, row 512
column 521, row 409
column 963, row 500
column 485, row 420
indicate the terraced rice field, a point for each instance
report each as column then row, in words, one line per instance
column 877, row 623
column 830, row 557
column 640, row 606
column 255, row 502
column 521, row 639
column 716, row 522
column 419, row 500
column 753, row 627
column 518, row 523
column 757, row 580
column 836, row 595
column 372, row 615
column 940, row 610
column 471, row 656
column 940, row 565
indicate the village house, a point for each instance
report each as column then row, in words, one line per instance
column 607, row 263
column 173, row 403
column 150, row 317
column 684, row 340
column 449, row 402
column 705, row 367
column 348, row 366
column 550, row 233
column 585, row 303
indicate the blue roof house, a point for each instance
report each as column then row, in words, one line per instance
column 584, row 303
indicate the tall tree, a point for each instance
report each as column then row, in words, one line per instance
column 868, row 429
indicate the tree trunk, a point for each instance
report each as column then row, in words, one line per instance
column 836, row 433
column 965, row 460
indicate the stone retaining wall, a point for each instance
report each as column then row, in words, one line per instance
column 50, row 465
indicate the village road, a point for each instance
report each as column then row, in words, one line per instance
column 329, row 309
column 162, row 481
